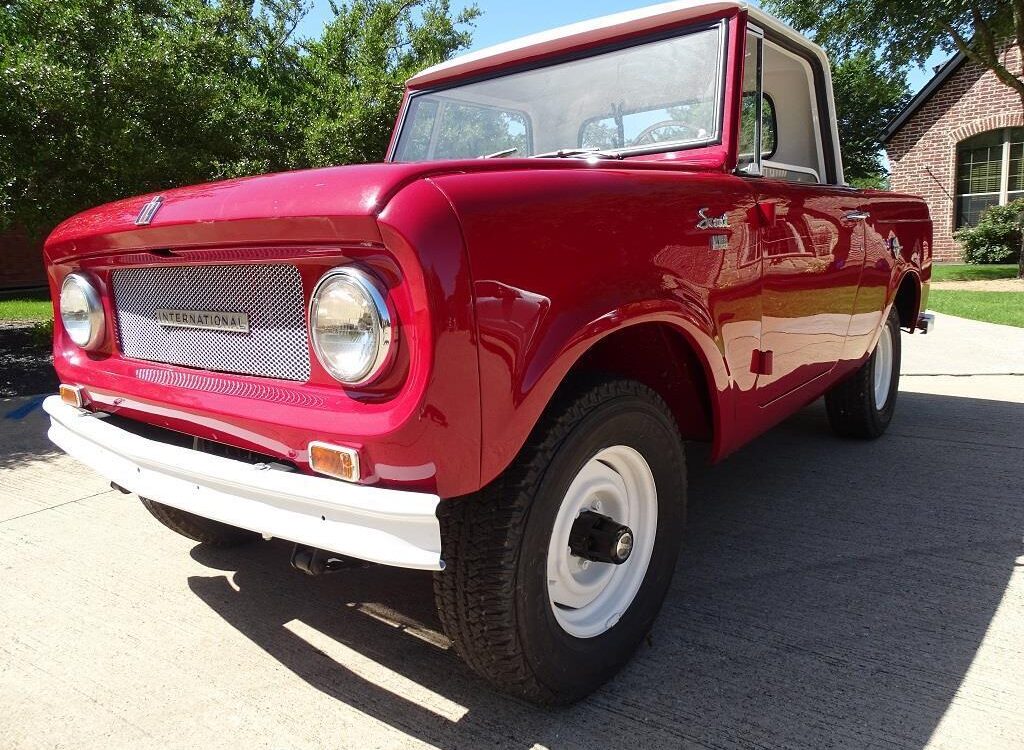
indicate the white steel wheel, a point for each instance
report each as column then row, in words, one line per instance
column 883, row 368
column 524, row 612
column 588, row 598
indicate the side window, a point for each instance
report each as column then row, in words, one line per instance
column 779, row 133
column 793, row 139
column 751, row 150
column 769, row 126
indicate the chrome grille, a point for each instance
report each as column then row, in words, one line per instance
column 271, row 295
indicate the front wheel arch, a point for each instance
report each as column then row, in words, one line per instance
column 519, row 383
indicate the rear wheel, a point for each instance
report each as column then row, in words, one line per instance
column 863, row 405
column 197, row 528
column 556, row 571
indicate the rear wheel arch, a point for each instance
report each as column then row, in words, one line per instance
column 907, row 300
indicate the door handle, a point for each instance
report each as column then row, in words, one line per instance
column 857, row 216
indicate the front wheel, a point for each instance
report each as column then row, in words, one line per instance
column 556, row 571
column 862, row 406
column 197, row 528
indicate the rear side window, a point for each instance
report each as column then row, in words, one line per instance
column 780, row 135
column 769, row 126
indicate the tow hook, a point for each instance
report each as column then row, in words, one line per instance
column 316, row 562
column 599, row 538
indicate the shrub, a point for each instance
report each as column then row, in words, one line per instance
column 997, row 236
column 42, row 334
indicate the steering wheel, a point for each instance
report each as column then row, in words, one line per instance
column 646, row 137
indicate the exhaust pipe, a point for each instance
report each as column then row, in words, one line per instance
column 317, row 562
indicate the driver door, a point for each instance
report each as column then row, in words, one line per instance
column 811, row 237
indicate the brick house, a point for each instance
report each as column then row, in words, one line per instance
column 21, row 262
column 959, row 144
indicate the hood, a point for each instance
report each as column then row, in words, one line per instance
column 337, row 204
column 332, row 205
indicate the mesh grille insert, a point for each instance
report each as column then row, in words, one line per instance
column 270, row 295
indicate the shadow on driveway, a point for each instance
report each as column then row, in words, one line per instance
column 26, row 361
column 23, row 426
column 830, row 593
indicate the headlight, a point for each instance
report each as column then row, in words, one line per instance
column 81, row 311
column 351, row 326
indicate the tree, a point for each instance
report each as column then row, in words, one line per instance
column 355, row 74
column 867, row 97
column 105, row 98
column 108, row 98
column 907, row 32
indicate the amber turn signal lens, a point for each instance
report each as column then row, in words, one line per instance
column 73, row 395
column 334, row 461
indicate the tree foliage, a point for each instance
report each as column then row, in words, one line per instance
column 108, row 98
column 907, row 32
column 873, row 43
column 867, row 97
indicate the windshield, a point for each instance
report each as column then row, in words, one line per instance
column 653, row 96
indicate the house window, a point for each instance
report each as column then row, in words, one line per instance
column 990, row 172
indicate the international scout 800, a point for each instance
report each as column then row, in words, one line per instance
column 482, row 356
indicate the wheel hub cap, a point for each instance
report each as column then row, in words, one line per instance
column 614, row 499
column 598, row 538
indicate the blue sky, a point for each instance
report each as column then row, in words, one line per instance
column 507, row 19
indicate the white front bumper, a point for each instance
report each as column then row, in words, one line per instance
column 384, row 526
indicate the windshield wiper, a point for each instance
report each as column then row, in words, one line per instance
column 573, row 153
column 499, row 154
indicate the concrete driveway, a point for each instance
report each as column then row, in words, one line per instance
column 830, row 594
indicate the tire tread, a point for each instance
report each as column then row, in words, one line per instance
column 850, row 404
column 476, row 593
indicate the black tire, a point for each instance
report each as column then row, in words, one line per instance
column 492, row 597
column 197, row 528
column 852, row 406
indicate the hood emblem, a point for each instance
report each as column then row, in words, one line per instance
column 233, row 322
column 149, row 211
column 712, row 222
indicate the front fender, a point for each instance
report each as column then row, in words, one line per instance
column 562, row 260
column 420, row 228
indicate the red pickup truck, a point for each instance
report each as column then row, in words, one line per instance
column 482, row 357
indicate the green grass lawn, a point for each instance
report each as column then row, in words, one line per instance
column 992, row 307
column 966, row 272
column 26, row 307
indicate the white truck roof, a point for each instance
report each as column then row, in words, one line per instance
column 592, row 31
